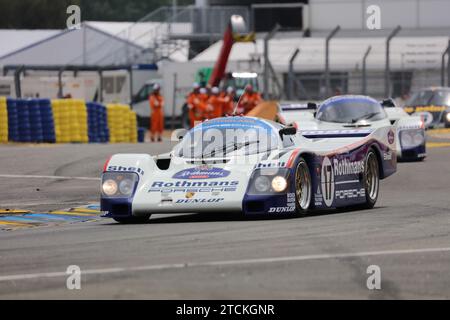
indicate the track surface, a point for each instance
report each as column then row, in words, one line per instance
column 211, row 256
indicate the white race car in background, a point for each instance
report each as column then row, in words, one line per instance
column 353, row 111
column 253, row 166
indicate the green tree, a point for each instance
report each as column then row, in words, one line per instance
column 51, row 14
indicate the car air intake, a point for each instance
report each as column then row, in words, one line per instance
column 213, row 161
column 255, row 206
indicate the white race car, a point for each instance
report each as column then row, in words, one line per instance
column 352, row 111
column 253, row 166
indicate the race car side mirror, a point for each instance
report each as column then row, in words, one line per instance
column 312, row 105
column 288, row 131
column 178, row 135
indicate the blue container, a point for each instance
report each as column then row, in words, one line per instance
column 141, row 134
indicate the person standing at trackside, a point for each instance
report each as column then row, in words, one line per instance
column 250, row 99
column 193, row 103
column 216, row 103
column 157, row 113
column 228, row 101
column 204, row 107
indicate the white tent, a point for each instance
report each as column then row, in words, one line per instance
column 12, row 39
column 96, row 43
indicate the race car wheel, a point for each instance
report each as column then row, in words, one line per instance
column 132, row 220
column 371, row 179
column 303, row 187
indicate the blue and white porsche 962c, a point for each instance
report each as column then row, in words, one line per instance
column 349, row 111
column 252, row 166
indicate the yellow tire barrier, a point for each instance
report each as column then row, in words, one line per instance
column 70, row 116
column 3, row 120
column 122, row 123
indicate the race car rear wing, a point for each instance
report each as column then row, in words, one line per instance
column 286, row 107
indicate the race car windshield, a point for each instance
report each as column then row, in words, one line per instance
column 429, row 98
column 350, row 111
column 219, row 143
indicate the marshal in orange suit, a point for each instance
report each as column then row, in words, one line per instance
column 156, row 101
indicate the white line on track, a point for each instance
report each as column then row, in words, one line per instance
column 22, row 176
column 224, row 263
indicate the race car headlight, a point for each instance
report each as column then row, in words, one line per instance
column 411, row 138
column 418, row 138
column 109, row 187
column 279, row 184
column 447, row 117
column 269, row 181
column 262, row 184
column 126, row 186
column 119, row 184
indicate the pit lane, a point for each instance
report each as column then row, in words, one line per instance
column 221, row 255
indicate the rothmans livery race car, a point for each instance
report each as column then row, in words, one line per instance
column 253, row 166
column 352, row 111
column 432, row 104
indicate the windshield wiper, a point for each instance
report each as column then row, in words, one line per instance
column 234, row 145
column 365, row 117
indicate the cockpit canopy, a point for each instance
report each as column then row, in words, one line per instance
column 223, row 137
column 350, row 109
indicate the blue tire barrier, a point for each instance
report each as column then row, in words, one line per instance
column 34, row 112
column 23, row 115
column 30, row 120
column 97, row 122
column 13, row 120
column 48, row 124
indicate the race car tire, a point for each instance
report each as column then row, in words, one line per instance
column 132, row 220
column 371, row 179
column 303, row 187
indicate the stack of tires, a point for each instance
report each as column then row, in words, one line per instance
column 35, row 120
column 103, row 124
column 70, row 118
column 120, row 122
column 79, row 126
column 48, row 125
column 97, row 122
column 23, row 116
column 133, row 130
column 13, row 120
column 3, row 120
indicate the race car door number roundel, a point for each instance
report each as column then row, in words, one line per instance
column 327, row 182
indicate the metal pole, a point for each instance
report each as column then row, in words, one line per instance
column 174, row 100
column 327, row 59
column 291, row 74
column 100, row 86
column 60, row 85
column 364, row 74
column 269, row 36
column 448, row 65
column 17, row 81
column 387, row 78
column 130, row 74
column 443, row 65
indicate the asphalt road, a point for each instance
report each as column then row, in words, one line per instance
column 211, row 256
